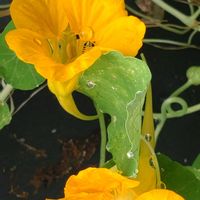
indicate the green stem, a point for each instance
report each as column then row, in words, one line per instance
column 5, row 92
column 167, row 27
column 159, row 127
column 190, row 110
column 193, row 109
column 191, row 7
column 103, row 137
column 195, row 15
column 162, row 41
column 187, row 20
column 191, row 36
column 167, row 110
column 4, row 6
column 181, row 89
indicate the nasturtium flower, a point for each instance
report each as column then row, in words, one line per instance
column 104, row 184
column 63, row 38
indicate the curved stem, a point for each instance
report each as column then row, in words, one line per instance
column 166, row 109
column 176, row 13
column 5, row 92
column 159, row 128
column 103, row 137
column 28, row 99
column 181, row 89
column 193, row 109
column 176, row 29
column 191, row 7
column 163, row 41
column 196, row 14
column 190, row 110
column 191, row 36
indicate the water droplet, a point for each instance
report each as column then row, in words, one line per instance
column 100, row 110
column 87, row 34
column 162, row 185
column 114, row 88
column 130, row 154
column 108, row 147
column 162, row 169
column 185, row 160
column 114, row 119
column 91, row 84
column 37, row 41
column 151, row 162
column 134, row 175
column 148, row 137
column 53, row 130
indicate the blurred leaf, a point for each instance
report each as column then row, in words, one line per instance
column 195, row 169
column 179, row 178
column 196, row 162
column 15, row 72
column 5, row 115
column 118, row 85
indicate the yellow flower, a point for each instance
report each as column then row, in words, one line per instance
column 63, row 38
column 104, row 184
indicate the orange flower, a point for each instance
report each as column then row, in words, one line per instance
column 104, row 184
column 63, row 38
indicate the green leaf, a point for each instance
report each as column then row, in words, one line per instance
column 15, row 72
column 179, row 178
column 195, row 168
column 195, row 171
column 118, row 85
column 196, row 162
column 5, row 115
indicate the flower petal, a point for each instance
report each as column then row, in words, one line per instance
column 159, row 194
column 100, row 180
column 93, row 13
column 89, row 196
column 79, row 65
column 47, row 17
column 56, row 199
column 63, row 92
column 124, row 34
column 29, row 46
column 33, row 48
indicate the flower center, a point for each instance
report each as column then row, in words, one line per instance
column 70, row 45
